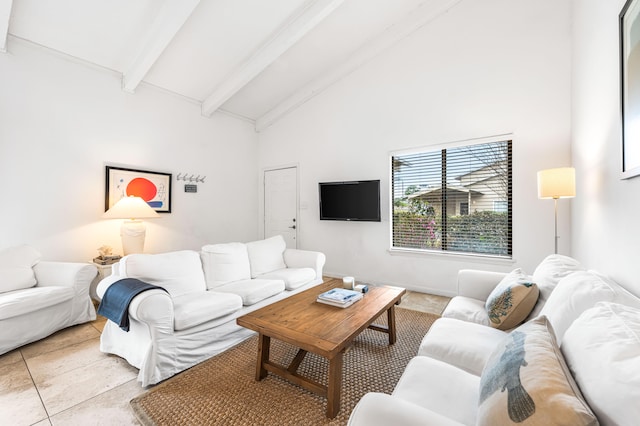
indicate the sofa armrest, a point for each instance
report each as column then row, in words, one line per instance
column 153, row 307
column 105, row 283
column 295, row 258
column 66, row 274
column 382, row 409
column 478, row 284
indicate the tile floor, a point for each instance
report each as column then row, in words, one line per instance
column 64, row 379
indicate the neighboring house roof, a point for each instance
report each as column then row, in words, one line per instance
column 437, row 192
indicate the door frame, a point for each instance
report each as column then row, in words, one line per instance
column 262, row 217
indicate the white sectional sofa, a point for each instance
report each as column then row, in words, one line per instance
column 205, row 292
column 577, row 358
column 38, row 298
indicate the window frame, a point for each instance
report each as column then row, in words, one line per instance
column 445, row 252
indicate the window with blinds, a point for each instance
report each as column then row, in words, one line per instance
column 454, row 200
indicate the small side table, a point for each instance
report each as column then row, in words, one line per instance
column 103, row 272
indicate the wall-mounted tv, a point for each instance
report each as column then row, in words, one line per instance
column 356, row 200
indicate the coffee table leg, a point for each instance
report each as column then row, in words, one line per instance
column 263, row 356
column 391, row 319
column 335, row 385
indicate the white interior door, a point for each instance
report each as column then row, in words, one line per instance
column 281, row 204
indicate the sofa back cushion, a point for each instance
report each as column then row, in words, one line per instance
column 266, row 255
column 225, row 263
column 178, row 272
column 511, row 300
column 547, row 275
column 578, row 292
column 526, row 381
column 16, row 268
column 602, row 349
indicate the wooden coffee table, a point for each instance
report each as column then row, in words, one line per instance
column 322, row 329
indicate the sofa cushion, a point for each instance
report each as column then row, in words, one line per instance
column 266, row 255
column 16, row 265
column 376, row 408
column 293, row 277
column 20, row 302
column 253, row 290
column 511, row 301
column 547, row 275
column 467, row 309
column 440, row 387
column 193, row 309
column 178, row 272
column 527, row 380
column 578, row 292
column 224, row 263
column 462, row 344
column 602, row 349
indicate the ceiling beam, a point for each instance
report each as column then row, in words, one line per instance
column 5, row 16
column 414, row 20
column 300, row 25
column 171, row 17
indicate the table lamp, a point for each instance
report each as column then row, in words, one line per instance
column 557, row 183
column 133, row 230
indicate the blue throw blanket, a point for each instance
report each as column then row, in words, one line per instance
column 116, row 300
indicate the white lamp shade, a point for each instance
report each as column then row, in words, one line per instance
column 557, row 183
column 130, row 208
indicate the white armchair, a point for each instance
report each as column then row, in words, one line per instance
column 38, row 298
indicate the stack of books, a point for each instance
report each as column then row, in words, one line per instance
column 339, row 297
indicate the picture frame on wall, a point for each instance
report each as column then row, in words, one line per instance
column 630, row 87
column 152, row 187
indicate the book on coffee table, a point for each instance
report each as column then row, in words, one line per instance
column 339, row 297
column 337, row 304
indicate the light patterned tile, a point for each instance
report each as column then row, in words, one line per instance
column 109, row 408
column 75, row 386
column 424, row 302
column 99, row 323
column 10, row 357
column 50, row 364
column 19, row 400
column 60, row 339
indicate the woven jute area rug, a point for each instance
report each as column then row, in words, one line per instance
column 223, row 389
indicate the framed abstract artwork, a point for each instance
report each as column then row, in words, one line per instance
column 630, row 87
column 152, row 187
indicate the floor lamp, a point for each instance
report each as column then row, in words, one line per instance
column 133, row 230
column 557, row 183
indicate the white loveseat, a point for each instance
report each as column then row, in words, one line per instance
column 591, row 327
column 205, row 292
column 38, row 298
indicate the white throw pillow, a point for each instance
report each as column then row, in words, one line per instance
column 16, row 268
column 547, row 275
column 576, row 293
column 178, row 272
column 602, row 349
column 224, row 263
column 266, row 255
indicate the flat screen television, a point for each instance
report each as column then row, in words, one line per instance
column 356, row 200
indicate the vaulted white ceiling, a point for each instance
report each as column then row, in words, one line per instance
column 257, row 59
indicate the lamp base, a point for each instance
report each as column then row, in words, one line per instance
column 132, row 233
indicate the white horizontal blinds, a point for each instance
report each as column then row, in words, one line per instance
column 456, row 199
column 416, row 223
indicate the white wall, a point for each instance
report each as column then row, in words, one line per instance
column 605, row 220
column 484, row 68
column 61, row 122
